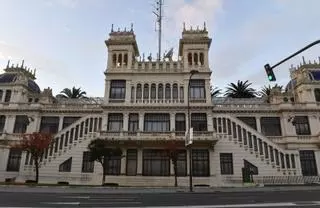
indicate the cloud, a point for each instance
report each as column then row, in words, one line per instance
column 271, row 36
column 65, row 3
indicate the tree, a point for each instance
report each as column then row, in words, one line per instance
column 100, row 152
column 214, row 91
column 35, row 143
column 72, row 93
column 266, row 90
column 173, row 153
column 240, row 90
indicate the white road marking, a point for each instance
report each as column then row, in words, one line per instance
column 281, row 204
column 75, row 197
column 62, row 203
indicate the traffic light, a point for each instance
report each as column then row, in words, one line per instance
column 270, row 74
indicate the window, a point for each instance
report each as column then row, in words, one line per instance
column 308, row 163
column 66, row 165
column 180, row 123
column 87, row 164
column 182, row 163
column 139, row 92
column 250, row 121
column 125, row 59
column 117, row 90
column 156, row 122
column 181, row 94
column 197, row 89
column 226, row 163
column 190, row 58
column 7, row 96
column 195, row 58
column 160, row 92
column 20, row 125
column 201, row 59
column 199, row 121
column 317, row 94
column 153, row 91
column 114, row 59
column 133, row 122
column 49, row 124
column 270, row 126
column 131, row 162
column 132, row 94
column 113, row 165
column 175, row 91
column 200, row 163
column 1, row 95
column 146, row 91
column 155, row 163
column 2, row 123
column 301, row 124
column 67, row 121
column 168, row 92
column 115, row 122
column 14, row 160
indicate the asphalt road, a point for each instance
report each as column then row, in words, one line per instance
column 305, row 199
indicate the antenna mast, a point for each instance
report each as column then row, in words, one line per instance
column 158, row 14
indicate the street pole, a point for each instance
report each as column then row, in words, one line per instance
column 296, row 53
column 192, row 72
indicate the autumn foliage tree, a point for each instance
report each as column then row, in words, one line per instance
column 101, row 152
column 173, row 152
column 35, row 143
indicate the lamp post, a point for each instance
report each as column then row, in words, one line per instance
column 192, row 72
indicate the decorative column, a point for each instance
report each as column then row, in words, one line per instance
column 139, row 161
column 60, row 123
column 258, row 121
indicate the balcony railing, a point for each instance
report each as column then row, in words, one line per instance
column 166, row 135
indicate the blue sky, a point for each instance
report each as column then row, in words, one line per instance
column 64, row 39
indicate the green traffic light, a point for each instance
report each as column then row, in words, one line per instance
column 270, row 77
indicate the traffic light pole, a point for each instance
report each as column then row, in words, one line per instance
column 296, row 53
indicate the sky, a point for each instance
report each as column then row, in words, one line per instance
column 64, row 39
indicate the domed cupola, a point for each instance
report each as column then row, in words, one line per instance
column 15, row 75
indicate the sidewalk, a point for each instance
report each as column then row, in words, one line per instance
column 137, row 190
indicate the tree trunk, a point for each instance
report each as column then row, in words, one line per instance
column 36, row 162
column 103, row 174
column 175, row 167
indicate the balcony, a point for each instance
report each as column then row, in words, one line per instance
column 209, row 136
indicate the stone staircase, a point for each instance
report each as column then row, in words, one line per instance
column 256, row 147
column 65, row 142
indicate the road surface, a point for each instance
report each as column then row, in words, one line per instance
column 276, row 199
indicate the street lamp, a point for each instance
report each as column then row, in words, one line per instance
column 192, row 72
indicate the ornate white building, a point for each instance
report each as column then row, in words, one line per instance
column 146, row 104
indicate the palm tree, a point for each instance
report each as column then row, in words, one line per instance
column 214, row 91
column 240, row 90
column 266, row 90
column 72, row 93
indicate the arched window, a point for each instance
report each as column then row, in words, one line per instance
column 160, row 91
column 175, row 91
column 120, row 59
column 195, row 58
column 139, row 92
column 317, row 94
column 132, row 93
column 201, row 59
column 146, row 91
column 181, row 94
column 168, row 92
column 153, row 91
column 114, row 59
column 125, row 59
column 190, row 58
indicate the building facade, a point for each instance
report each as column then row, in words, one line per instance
column 147, row 104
